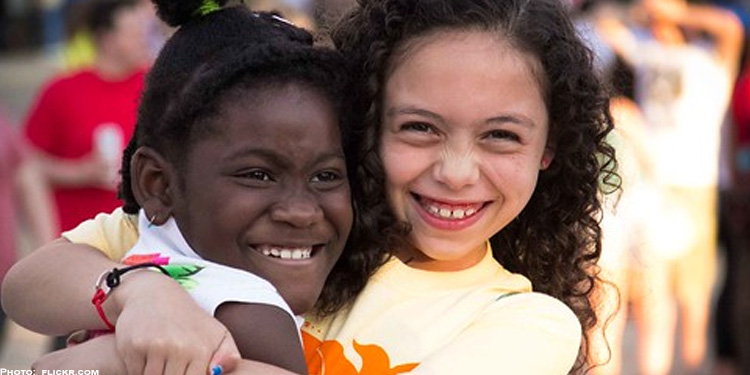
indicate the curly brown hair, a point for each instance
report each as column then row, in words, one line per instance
column 556, row 239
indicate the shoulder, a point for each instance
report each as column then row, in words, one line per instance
column 68, row 79
column 64, row 84
column 538, row 304
column 524, row 333
column 536, row 316
column 112, row 233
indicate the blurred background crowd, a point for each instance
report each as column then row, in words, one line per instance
column 676, row 246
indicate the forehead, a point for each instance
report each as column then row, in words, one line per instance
column 453, row 71
column 128, row 19
column 288, row 115
column 491, row 44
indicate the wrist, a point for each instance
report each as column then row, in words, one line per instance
column 138, row 286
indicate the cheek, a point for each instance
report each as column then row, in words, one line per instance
column 339, row 212
column 403, row 164
column 515, row 177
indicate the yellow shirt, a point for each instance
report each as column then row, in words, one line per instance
column 482, row 320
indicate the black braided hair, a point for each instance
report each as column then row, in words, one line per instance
column 208, row 60
column 556, row 239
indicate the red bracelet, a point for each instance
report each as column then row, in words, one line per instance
column 108, row 281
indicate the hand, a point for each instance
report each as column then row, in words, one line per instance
column 161, row 330
column 669, row 10
column 98, row 172
column 95, row 354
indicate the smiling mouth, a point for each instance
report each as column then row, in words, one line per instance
column 449, row 211
column 283, row 252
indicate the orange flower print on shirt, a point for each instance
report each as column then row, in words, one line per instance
column 327, row 358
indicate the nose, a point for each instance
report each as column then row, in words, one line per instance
column 457, row 169
column 299, row 209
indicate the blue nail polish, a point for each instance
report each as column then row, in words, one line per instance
column 217, row 370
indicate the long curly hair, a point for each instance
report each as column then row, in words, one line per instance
column 556, row 239
column 230, row 51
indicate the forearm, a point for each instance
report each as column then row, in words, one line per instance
column 59, row 172
column 247, row 367
column 87, row 171
column 721, row 24
column 611, row 27
column 36, row 204
column 708, row 18
column 50, row 290
column 95, row 354
column 264, row 333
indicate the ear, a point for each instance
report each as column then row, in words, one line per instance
column 547, row 157
column 153, row 180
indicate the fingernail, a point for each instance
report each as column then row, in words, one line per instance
column 217, row 370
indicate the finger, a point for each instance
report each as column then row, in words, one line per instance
column 154, row 366
column 196, row 368
column 226, row 357
column 176, row 367
column 135, row 364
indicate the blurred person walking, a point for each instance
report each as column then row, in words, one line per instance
column 81, row 120
column 685, row 59
column 25, row 203
column 79, row 50
column 736, row 206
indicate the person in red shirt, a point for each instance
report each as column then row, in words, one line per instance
column 741, row 133
column 82, row 120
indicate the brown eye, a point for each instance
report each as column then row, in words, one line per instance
column 501, row 135
column 256, row 174
column 421, row 127
column 327, row 180
column 326, row 177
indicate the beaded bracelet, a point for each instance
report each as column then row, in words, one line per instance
column 109, row 280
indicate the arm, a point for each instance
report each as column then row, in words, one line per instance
column 247, row 367
column 35, row 203
column 610, row 24
column 720, row 24
column 37, row 289
column 264, row 333
column 91, row 170
column 96, row 354
column 101, row 354
column 528, row 333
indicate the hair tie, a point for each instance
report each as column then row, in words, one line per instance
column 207, row 7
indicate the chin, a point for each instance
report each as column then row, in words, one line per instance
column 301, row 307
column 303, row 301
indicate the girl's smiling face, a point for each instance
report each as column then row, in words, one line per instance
column 267, row 190
column 464, row 135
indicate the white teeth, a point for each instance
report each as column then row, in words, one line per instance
column 447, row 213
column 288, row 253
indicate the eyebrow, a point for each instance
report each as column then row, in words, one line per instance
column 501, row 119
column 409, row 110
column 278, row 158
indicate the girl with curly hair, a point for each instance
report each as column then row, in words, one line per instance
column 483, row 163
